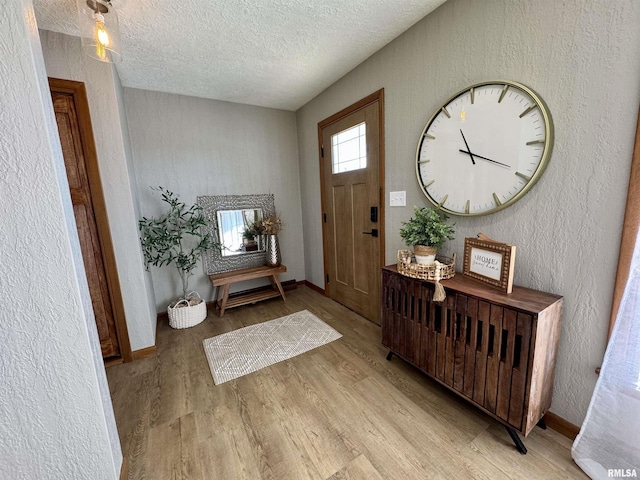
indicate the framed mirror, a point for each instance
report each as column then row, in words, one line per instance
column 236, row 233
column 229, row 220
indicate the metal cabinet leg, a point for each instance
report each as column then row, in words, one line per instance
column 542, row 424
column 389, row 355
column 516, row 439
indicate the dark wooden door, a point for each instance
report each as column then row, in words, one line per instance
column 353, row 226
column 73, row 149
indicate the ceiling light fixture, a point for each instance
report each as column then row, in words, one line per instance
column 99, row 30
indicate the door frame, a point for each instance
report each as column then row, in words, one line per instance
column 630, row 228
column 78, row 93
column 377, row 96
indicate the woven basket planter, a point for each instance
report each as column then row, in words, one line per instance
column 183, row 315
column 424, row 254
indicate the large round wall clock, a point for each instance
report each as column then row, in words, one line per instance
column 484, row 148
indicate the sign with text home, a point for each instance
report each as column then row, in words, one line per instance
column 490, row 262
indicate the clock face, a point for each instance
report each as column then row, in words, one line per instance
column 484, row 148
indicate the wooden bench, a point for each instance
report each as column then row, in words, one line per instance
column 223, row 281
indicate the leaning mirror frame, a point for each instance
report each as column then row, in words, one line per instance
column 232, row 231
column 214, row 261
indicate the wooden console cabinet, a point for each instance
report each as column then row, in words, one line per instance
column 497, row 351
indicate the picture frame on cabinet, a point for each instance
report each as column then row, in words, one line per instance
column 489, row 262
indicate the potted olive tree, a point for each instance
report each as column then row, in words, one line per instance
column 426, row 231
column 178, row 238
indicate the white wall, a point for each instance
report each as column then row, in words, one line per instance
column 583, row 58
column 195, row 146
column 65, row 59
column 138, row 268
column 56, row 418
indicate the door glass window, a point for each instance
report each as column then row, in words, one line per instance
column 349, row 149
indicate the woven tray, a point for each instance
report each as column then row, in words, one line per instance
column 444, row 267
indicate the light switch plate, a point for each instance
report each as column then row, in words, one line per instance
column 398, row 199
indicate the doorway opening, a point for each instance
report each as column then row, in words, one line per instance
column 351, row 145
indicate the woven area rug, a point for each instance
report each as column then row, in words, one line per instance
column 234, row 354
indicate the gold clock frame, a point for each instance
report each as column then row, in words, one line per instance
column 544, row 160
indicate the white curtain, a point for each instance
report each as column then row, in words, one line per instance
column 608, row 445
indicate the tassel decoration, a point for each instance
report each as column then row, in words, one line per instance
column 439, row 294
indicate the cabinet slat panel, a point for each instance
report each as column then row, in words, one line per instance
column 520, row 366
column 395, row 324
column 398, row 333
column 417, row 323
column 481, row 352
column 432, row 349
column 460, row 333
column 441, row 343
column 401, row 317
column 425, row 297
column 471, row 321
column 493, row 358
column 449, row 331
column 390, row 314
column 399, row 322
column 506, row 363
column 386, row 313
column 409, row 321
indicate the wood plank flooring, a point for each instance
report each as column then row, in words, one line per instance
column 340, row 411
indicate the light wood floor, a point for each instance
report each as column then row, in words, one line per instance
column 340, row 411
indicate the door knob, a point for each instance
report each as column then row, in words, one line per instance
column 373, row 232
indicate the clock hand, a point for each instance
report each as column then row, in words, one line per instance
column 485, row 158
column 469, row 152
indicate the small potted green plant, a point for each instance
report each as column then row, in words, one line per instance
column 426, row 231
column 178, row 237
column 249, row 237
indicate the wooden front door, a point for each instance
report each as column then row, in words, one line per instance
column 351, row 164
column 74, row 128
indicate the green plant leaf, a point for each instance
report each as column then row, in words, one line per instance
column 427, row 227
column 178, row 237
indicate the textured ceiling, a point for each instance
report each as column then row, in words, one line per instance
column 272, row 53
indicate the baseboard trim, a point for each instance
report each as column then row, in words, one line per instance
column 113, row 361
column 144, row 352
column 124, row 470
column 561, row 425
column 313, row 287
column 164, row 316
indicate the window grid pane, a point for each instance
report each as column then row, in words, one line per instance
column 349, row 149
